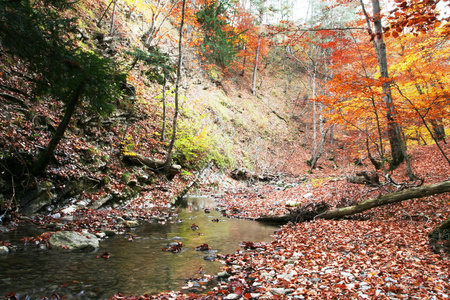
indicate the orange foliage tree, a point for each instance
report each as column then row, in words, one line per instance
column 417, row 80
column 420, row 67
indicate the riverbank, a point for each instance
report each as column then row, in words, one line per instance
column 383, row 253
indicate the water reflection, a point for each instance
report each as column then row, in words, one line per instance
column 135, row 267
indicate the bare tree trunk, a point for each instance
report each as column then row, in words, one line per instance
column 169, row 159
column 255, row 67
column 393, row 128
column 439, row 130
column 163, row 129
column 44, row 156
column 104, row 13
column 111, row 29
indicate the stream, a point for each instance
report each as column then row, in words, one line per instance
column 135, row 267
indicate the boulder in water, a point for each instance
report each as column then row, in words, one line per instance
column 74, row 241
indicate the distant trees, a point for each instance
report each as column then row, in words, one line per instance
column 37, row 34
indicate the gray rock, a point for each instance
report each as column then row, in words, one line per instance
column 74, row 241
column 100, row 202
column 308, row 195
column 37, row 199
column 210, row 257
column 280, row 291
column 130, row 224
column 223, row 274
column 232, row 296
column 4, row 250
column 347, row 274
column 287, row 276
column 70, row 209
column 109, row 232
column 100, row 235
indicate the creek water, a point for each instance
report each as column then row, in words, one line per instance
column 135, row 267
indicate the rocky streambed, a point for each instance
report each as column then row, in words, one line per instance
column 140, row 260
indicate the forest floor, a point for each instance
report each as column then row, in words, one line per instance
column 383, row 253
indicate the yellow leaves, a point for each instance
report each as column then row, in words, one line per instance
column 129, row 153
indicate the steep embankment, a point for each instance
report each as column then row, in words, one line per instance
column 220, row 122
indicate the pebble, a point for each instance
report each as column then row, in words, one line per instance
column 130, row 224
column 287, row 276
column 232, row 296
column 223, row 274
column 308, row 195
column 347, row 274
column 280, row 291
column 100, row 235
column 4, row 250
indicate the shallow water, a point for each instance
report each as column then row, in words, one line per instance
column 134, row 267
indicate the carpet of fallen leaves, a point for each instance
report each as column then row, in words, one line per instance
column 383, row 253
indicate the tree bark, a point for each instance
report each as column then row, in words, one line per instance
column 154, row 164
column 168, row 162
column 417, row 192
column 255, row 66
column 44, row 157
column 398, row 148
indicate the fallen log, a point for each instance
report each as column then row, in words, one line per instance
column 416, row 192
column 299, row 214
column 155, row 165
column 319, row 210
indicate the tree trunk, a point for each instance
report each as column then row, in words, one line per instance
column 111, row 29
column 44, row 156
column 440, row 237
column 439, row 130
column 168, row 162
column 154, row 164
column 393, row 128
column 163, row 129
column 255, row 67
column 417, row 192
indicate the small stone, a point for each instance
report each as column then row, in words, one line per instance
column 109, row 232
column 281, row 291
column 347, row 274
column 210, row 257
column 4, row 250
column 127, row 217
column 266, row 276
column 287, row 276
column 67, row 219
column 130, row 224
column 315, row 280
column 223, row 274
column 236, row 267
column 100, row 235
column 232, row 296
column 308, row 195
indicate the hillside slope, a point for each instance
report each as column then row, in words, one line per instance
column 221, row 124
